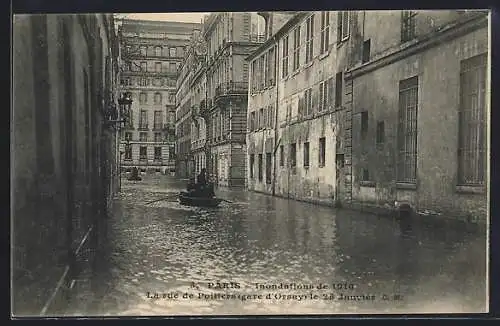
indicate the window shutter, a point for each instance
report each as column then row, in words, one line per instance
column 331, row 91
column 321, row 106
column 351, row 18
column 339, row 26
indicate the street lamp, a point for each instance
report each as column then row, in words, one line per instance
column 119, row 119
column 113, row 117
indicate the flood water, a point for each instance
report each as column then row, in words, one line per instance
column 277, row 256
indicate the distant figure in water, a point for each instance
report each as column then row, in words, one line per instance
column 202, row 177
column 135, row 175
column 202, row 188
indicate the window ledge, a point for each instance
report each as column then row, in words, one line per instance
column 323, row 55
column 405, row 185
column 470, row 189
column 367, row 183
column 308, row 64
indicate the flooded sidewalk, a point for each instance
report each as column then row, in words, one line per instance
column 257, row 254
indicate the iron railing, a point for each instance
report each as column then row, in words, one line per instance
column 257, row 38
column 231, row 88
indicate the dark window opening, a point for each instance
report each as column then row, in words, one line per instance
column 128, row 152
column 268, row 168
column 338, row 89
column 407, row 130
column 339, row 158
column 282, row 155
column 322, row 147
column 366, row 51
column 380, row 132
column 157, row 153
column 143, row 153
column 472, row 131
column 252, row 161
column 306, row 154
column 408, row 25
column 260, row 167
column 365, row 175
column 364, row 124
column 293, row 155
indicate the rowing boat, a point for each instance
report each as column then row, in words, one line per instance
column 186, row 199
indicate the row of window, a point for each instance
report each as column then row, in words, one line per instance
column 143, row 120
column 157, row 98
column 143, row 81
column 264, row 118
column 157, row 51
column 220, row 125
column 292, row 56
column 471, row 119
column 143, row 152
column 326, row 95
column 324, row 20
column 157, row 67
column 264, row 71
column 292, row 158
column 260, row 167
column 143, row 137
column 472, row 131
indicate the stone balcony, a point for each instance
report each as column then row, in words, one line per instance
column 230, row 89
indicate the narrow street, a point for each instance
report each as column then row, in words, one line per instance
column 164, row 247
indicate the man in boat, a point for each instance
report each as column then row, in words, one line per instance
column 204, row 188
column 202, row 178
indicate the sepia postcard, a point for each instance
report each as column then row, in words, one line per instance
column 250, row 163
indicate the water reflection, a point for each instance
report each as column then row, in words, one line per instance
column 164, row 247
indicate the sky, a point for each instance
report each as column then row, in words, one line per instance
column 192, row 17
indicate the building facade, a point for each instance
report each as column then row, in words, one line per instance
column 345, row 108
column 152, row 52
column 420, row 103
column 298, row 124
column 198, row 83
column 230, row 37
column 185, row 99
column 63, row 153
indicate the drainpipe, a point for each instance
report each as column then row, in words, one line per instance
column 276, row 76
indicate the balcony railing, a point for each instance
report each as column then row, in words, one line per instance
column 197, row 144
column 142, row 127
column 257, row 38
column 231, row 88
column 156, row 73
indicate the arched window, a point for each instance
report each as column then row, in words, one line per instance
column 157, row 98
column 158, row 51
column 143, row 98
column 173, row 52
column 143, row 50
